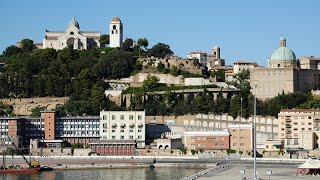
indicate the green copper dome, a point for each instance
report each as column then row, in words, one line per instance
column 74, row 23
column 282, row 53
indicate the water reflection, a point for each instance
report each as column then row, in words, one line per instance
column 163, row 173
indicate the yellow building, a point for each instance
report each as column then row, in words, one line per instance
column 283, row 75
column 297, row 127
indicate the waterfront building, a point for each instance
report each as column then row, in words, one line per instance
column 11, row 130
column 298, row 127
column 123, row 125
column 217, row 140
column 241, row 137
column 283, row 75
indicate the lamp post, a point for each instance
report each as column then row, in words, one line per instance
column 254, row 140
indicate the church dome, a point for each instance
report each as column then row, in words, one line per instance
column 283, row 53
column 74, row 23
column 116, row 19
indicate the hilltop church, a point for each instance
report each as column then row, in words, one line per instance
column 285, row 74
column 80, row 40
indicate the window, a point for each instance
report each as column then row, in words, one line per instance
column 140, row 137
column 113, row 117
column 309, row 123
column 105, row 125
column 241, row 144
column 121, row 117
column 139, row 117
column 71, row 33
column 113, row 137
column 234, row 130
column 130, row 137
column 122, row 130
column 296, row 129
column 130, row 117
column 121, row 137
column 104, row 117
column 139, row 130
column 302, row 123
column 282, row 123
column 302, row 129
column 295, row 123
column 131, row 130
column 309, row 129
column 234, row 144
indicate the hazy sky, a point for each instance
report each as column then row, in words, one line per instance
column 244, row 29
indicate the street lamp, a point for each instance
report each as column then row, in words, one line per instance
column 254, row 140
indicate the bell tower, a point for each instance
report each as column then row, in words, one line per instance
column 116, row 32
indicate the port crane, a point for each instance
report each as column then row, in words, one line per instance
column 32, row 163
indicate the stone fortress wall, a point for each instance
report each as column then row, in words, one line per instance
column 23, row 106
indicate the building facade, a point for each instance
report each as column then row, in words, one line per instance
column 71, row 37
column 283, row 75
column 207, row 140
column 116, row 32
column 297, row 127
column 241, row 137
column 123, row 125
column 201, row 56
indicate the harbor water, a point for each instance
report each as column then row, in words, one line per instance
column 159, row 173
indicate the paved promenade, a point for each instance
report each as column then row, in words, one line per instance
column 279, row 172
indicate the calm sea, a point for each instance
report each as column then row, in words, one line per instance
column 161, row 173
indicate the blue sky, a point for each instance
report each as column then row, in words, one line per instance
column 245, row 30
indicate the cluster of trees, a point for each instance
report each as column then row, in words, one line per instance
column 30, row 72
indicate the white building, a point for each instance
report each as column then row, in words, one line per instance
column 201, row 56
column 73, row 37
column 123, row 125
column 116, row 32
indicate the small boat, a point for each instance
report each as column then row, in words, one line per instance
column 20, row 170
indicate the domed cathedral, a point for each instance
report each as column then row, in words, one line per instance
column 72, row 37
column 116, row 32
column 282, row 75
column 282, row 56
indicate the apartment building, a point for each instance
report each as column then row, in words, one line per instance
column 207, row 140
column 295, row 126
column 123, row 125
column 241, row 137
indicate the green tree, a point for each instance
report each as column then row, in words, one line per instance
column 27, row 45
column 143, row 42
column 161, row 68
column 104, row 40
column 160, row 50
column 113, row 65
column 174, row 71
column 219, row 74
column 11, row 50
column 150, row 83
column 36, row 112
column 235, row 106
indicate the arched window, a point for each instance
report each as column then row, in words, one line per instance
column 71, row 33
column 116, row 31
column 70, row 42
column 114, row 27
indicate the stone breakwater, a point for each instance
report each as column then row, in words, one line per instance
column 211, row 170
